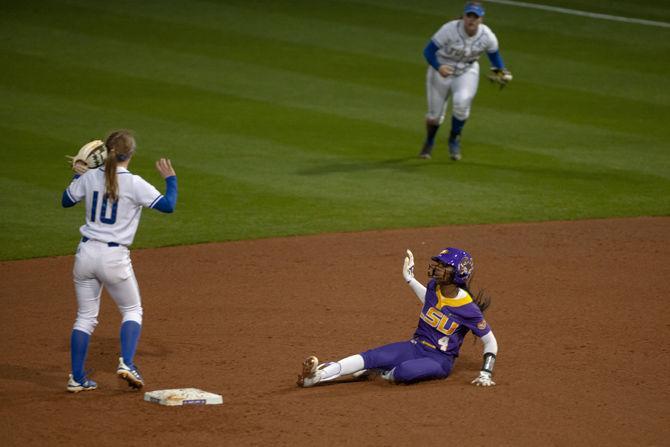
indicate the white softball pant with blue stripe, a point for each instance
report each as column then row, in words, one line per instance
column 97, row 265
column 461, row 89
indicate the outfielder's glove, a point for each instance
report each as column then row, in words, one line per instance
column 500, row 76
column 408, row 267
column 484, row 379
column 92, row 154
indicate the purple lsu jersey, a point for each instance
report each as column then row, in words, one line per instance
column 444, row 322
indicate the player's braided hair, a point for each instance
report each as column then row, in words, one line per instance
column 120, row 146
column 481, row 299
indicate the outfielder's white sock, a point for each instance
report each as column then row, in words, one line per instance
column 348, row 365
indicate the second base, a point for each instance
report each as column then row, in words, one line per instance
column 183, row 396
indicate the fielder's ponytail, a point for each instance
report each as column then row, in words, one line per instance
column 120, row 147
column 111, row 183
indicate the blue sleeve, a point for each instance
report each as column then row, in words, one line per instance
column 67, row 200
column 496, row 60
column 168, row 202
column 430, row 54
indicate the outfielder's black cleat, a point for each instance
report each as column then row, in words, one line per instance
column 426, row 151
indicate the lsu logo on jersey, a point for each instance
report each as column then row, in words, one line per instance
column 436, row 319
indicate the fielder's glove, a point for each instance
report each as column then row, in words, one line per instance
column 500, row 76
column 408, row 268
column 484, row 379
column 92, row 155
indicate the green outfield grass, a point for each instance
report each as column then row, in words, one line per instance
column 300, row 117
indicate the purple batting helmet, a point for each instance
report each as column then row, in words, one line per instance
column 460, row 260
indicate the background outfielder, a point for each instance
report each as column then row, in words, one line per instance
column 449, row 311
column 453, row 72
column 114, row 199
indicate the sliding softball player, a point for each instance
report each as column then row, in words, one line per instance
column 449, row 311
column 453, row 72
column 113, row 198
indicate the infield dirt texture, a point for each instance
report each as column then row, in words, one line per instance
column 579, row 310
column 294, row 126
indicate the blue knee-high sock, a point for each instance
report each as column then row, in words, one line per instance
column 456, row 127
column 78, row 349
column 431, row 131
column 130, row 335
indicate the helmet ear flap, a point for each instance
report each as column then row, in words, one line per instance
column 465, row 270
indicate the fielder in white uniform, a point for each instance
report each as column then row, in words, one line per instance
column 453, row 72
column 114, row 199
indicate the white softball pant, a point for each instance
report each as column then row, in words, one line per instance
column 97, row 265
column 462, row 90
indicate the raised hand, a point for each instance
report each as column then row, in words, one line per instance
column 164, row 167
column 408, row 267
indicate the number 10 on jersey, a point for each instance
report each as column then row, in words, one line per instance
column 103, row 209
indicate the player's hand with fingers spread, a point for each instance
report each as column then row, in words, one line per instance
column 164, row 166
column 446, row 70
column 80, row 167
column 408, row 267
column 484, row 379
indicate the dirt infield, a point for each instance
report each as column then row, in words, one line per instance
column 580, row 310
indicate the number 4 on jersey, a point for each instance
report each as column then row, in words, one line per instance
column 103, row 209
column 443, row 342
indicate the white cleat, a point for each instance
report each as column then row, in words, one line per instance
column 84, row 384
column 130, row 375
column 310, row 372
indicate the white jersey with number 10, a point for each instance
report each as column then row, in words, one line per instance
column 112, row 222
